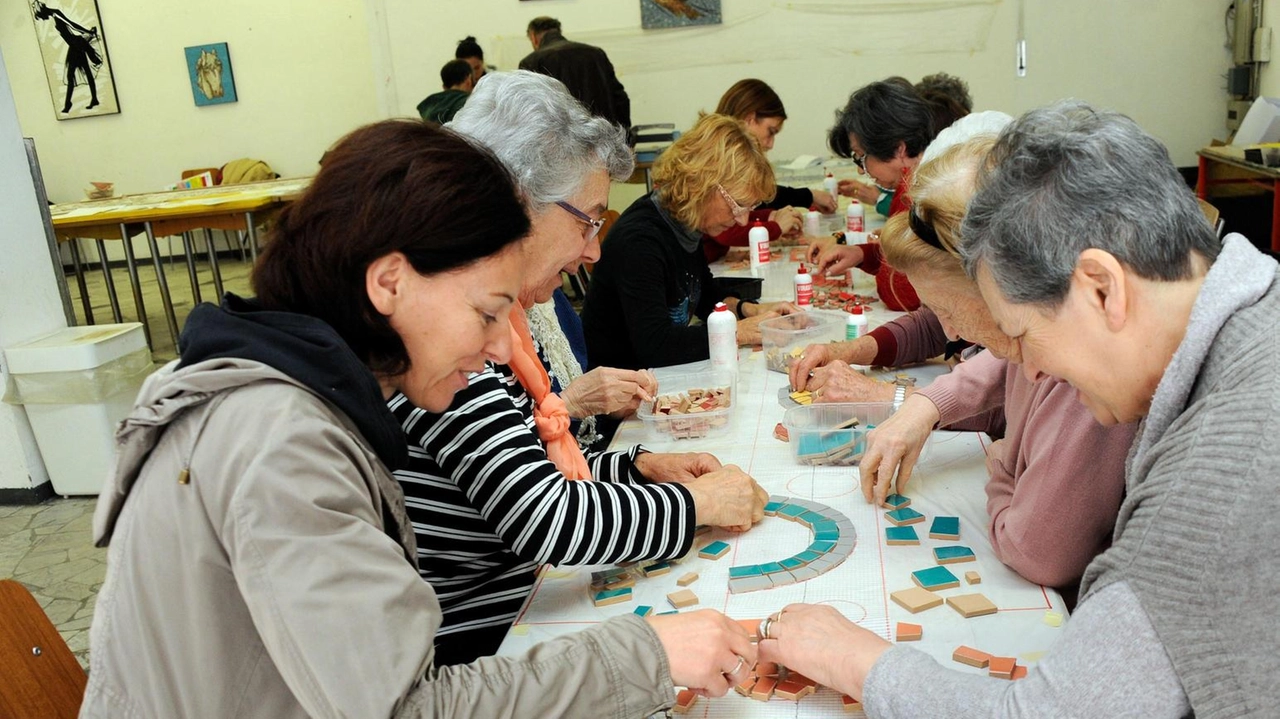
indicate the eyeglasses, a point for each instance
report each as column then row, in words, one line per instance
column 592, row 225
column 860, row 161
column 739, row 212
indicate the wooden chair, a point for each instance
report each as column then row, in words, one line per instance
column 39, row 676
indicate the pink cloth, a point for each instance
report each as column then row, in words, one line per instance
column 1057, row 478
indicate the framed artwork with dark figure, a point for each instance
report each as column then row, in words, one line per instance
column 209, row 69
column 73, row 47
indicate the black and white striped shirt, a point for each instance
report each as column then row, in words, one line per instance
column 487, row 507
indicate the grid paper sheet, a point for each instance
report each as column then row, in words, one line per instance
column 948, row 481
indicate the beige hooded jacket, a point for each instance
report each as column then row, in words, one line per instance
column 257, row 569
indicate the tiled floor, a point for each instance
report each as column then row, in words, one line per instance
column 48, row 547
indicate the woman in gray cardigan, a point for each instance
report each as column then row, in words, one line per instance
column 1092, row 253
column 261, row 563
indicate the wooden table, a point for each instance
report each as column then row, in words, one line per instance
column 179, row 212
column 1254, row 173
column 948, row 481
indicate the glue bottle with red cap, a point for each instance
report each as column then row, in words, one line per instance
column 758, row 245
column 804, row 288
column 855, row 325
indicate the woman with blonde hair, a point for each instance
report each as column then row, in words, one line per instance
column 761, row 110
column 652, row 279
column 1046, row 524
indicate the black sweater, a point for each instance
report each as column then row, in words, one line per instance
column 644, row 292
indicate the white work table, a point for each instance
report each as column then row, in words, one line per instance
column 948, row 481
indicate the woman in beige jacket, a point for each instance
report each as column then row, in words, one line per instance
column 260, row 561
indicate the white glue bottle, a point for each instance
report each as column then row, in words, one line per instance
column 722, row 338
column 758, row 245
column 855, row 325
column 854, row 218
column 830, row 184
column 804, row 288
column 813, row 222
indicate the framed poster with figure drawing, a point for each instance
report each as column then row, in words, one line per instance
column 209, row 69
column 73, row 50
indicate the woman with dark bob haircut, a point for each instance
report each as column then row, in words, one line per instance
column 884, row 127
column 260, row 563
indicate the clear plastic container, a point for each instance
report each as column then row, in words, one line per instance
column 786, row 337
column 822, row 434
column 694, row 422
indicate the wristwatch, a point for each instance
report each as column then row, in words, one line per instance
column 899, row 395
column 901, row 383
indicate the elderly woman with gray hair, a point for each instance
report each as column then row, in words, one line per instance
column 488, row 484
column 1131, row 298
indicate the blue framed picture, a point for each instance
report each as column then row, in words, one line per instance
column 209, row 70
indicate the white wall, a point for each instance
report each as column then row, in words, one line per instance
column 303, row 74
column 1161, row 63
column 29, row 302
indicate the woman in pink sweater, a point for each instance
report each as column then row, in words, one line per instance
column 1057, row 476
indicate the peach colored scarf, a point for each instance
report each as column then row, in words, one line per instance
column 549, row 413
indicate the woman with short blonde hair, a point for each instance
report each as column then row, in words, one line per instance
column 652, row 279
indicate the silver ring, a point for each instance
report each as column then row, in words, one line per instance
column 736, row 668
column 765, row 624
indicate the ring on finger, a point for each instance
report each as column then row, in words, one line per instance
column 765, row 625
column 737, row 667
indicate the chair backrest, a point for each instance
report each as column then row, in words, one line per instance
column 214, row 172
column 39, row 676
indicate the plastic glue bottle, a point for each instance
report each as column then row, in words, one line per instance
column 813, row 222
column 804, row 288
column 855, row 325
column 831, row 186
column 758, row 245
column 854, row 219
column 722, row 338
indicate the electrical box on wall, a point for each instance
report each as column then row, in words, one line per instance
column 1236, row 110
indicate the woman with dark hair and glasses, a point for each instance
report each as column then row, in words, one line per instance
column 652, row 279
column 488, row 480
column 885, row 128
column 261, row 563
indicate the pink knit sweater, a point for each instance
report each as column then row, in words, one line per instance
column 1057, row 477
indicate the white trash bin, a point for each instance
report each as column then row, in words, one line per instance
column 77, row 384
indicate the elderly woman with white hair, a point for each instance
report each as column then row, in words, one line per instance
column 1131, row 298
column 488, row 484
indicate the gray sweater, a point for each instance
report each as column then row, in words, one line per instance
column 1182, row 614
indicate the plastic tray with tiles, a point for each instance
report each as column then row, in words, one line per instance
column 690, row 406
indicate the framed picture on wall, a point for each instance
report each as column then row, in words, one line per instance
column 209, row 69
column 660, row 14
column 73, row 48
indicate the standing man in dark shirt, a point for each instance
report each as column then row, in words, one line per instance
column 584, row 69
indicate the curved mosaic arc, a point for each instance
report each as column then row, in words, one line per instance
column 833, row 540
